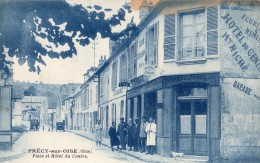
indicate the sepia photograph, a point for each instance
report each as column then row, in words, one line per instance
column 142, row 81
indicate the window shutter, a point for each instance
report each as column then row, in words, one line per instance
column 212, row 31
column 169, row 37
column 146, row 47
column 156, row 35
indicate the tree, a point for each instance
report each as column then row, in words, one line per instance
column 24, row 23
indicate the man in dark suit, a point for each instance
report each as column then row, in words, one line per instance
column 122, row 132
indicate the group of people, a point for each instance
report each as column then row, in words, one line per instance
column 139, row 136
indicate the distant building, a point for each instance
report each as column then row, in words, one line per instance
column 39, row 103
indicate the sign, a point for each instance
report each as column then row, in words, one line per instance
column 149, row 70
column 139, row 80
column 124, row 84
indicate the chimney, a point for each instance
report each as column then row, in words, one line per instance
column 113, row 45
column 102, row 60
column 145, row 8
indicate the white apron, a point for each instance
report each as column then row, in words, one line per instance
column 151, row 133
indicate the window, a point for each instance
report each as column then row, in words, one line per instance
column 90, row 97
column 122, row 108
column 123, row 70
column 96, row 93
column 132, row 69
column 114, row 75
column 101, row 85
column 87, row 98
column 193, row 34
column 152, row 45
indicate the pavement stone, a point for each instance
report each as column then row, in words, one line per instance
column 142, row 156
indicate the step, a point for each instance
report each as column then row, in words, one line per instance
column 193, row 158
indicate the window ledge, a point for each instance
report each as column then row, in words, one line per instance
column 192, row 61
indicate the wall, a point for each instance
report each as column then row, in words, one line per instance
column 240, row 75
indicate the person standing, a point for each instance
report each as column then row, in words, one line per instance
column 114, row 141
column 151, row 136
column 131, row 134
column 136, row 135
column 122, row 133
column 142, row 134
column 98, row 136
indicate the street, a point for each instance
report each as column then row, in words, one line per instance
column 63, row 147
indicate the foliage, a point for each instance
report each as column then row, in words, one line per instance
column 31, row 91
column 22, row 23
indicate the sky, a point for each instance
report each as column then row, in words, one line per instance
column 71, row 70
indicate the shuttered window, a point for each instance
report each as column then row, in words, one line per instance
column 101, row 85
column 152, row 44
column 114, row 75
column 212, row 31
column 169, row 37
column 132, row 65
column 123, row 70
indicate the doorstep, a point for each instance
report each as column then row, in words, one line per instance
column 194, row 158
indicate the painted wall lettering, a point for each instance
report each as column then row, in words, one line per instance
column 242, row 88
column 240, row 37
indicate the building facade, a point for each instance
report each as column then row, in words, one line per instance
column 194, row 67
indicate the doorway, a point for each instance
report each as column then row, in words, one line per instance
column 150, row 101
column 192, row 121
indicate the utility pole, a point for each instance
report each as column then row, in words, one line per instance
column 94, row 48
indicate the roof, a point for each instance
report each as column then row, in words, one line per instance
column 91, row 69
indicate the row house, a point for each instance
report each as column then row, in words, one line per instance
column 194, row 67
column 81, row 107
column 89, row 100
column 68, row 112
column 112, row 97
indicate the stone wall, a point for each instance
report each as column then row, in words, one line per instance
column 240, row 120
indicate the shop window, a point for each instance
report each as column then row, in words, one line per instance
column 193, row 34
column 200, row 117
column 185, row 117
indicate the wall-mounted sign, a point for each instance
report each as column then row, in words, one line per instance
column 149, row 70
column 124, row 84
column 139, row 80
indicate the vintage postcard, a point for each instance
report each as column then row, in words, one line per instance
column 130, row 81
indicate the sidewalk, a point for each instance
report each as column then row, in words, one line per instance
column 142, row 156
column 14, row 153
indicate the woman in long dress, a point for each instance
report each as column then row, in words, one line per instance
column 114, row 141
column 98, row 136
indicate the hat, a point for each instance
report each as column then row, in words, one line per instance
column 122, row 118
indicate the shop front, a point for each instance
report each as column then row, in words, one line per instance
column 186, row 109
